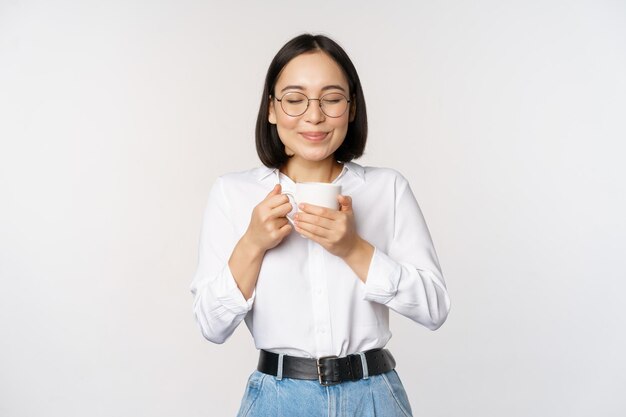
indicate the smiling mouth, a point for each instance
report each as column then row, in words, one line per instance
column 314, row 136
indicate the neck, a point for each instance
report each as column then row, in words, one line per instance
column 300, row 170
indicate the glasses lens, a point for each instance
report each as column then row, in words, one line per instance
column 334, row 104
column 294, row 104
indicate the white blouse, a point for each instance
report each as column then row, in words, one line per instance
column 308, row 302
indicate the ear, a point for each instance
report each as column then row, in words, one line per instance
column 271, row 117
column 352, row 109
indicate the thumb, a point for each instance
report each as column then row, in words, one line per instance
column 345, row 202
column 275, row 191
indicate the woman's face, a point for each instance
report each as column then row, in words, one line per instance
column 312, row 136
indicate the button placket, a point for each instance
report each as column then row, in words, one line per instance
column 321, row 308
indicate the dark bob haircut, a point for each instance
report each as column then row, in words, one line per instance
column 270, row 149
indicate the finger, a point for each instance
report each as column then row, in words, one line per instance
column 280, row 222
column 345, row 202
column 318, row 231
column 274, row 228
column 314, row 220
column 310, row 235
column 317, row 210
column 276, row 190
column 277, row 200
column 286, row 229
column 281, row 210
column 307, row 234
column 284, row 209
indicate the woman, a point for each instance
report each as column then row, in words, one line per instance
column 317, row 308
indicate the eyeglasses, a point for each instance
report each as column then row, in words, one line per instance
column 296, row 104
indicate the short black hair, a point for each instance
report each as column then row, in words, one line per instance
column 270, row 149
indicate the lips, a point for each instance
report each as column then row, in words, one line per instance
column 314, row 136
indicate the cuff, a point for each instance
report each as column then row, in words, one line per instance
column 228, row 294
column 383, row 278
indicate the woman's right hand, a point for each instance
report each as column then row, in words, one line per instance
column 268, row 223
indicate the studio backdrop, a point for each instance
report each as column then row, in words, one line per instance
column 507, row 118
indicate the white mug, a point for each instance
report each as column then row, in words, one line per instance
column 322, row 194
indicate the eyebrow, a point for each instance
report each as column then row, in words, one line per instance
column 299, row 87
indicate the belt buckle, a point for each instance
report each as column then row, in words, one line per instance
column 319, row 371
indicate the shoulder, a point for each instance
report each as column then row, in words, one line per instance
column 245, row 181
column 371, row 174
column 243, row 187
column 253, row 175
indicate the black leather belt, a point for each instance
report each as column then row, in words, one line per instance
column 329, row 370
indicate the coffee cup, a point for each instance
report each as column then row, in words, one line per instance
column 321, row 194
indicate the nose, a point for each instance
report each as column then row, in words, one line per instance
column 314, row 113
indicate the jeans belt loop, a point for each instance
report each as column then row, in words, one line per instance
column 366, row 374
column 279, row 372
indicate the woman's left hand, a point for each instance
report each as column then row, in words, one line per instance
column 335, row 230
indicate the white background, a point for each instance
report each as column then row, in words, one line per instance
column 507, row 117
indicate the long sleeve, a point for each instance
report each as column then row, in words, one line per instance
column 219, row 306
column 306, row 301
column 408, row 278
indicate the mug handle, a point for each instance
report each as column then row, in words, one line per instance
column 290, row 196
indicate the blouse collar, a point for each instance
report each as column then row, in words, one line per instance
column 351, row 168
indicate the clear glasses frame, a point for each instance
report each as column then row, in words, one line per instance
column 323, row 99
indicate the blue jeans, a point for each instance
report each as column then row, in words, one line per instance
column 379, row 395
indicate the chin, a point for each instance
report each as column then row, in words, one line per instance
column 316, row 154
column 316, row 157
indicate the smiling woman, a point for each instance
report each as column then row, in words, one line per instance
column 317, row 308
column 288, row 73
column 307, row 131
